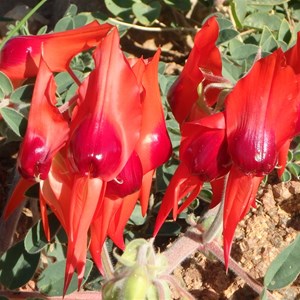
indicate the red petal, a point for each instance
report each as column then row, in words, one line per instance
column 240, row 194
column 145, row 191
column 20, row 57
column 120, row 219
column 99, row 228
column 204, row 149
column 252, row 112
column 47, row 131
column 218, row 189
column 204, row 54
column 154, row 146
column 17, row 196
column 181, row 184
column 106, row 125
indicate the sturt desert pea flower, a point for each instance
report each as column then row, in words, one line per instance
column 47, row 131
column 20, row 57
column 152, row 150
column 260, row 118
column 183, row 95
column 203, row 158
column 106, row 122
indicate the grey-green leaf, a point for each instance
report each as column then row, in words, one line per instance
column 15, row 120
column 146, row 14
column 51, row 280
column 285, row 267
column 22, row 94
column 5, row 85
column 35, row 239
column 260, row 19
column 17, row 266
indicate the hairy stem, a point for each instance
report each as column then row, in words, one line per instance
column 191, row 241
column 107, row 264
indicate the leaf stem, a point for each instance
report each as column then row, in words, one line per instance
column 151, row 29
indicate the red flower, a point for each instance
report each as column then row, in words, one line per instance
column 106, row 123
column 47, row 131
column 20, row 57
column 260, row 121
column 183, row 95
column 203, row 157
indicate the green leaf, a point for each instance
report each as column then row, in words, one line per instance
column 42, row 30
column 17, row 266
column 268, row 42
column 244, row 51
column 284, row 33
column 120, row 8
column 238, row 10
column 146, row 14
column 51, row 280
column 183, row 5
column 286, row 176
column 36, row 240
column 230, row 70
column 224, row 23
column 15, row 120
column 71, row 11
column 260, row 19
column 285, row 268
column 66, row 23
column 226, row 35
column 5, row 84
column 136, row 217
column 294, row 169
column 57, row 250
column 22, row 94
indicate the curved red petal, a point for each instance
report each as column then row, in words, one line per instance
column 99, row 228
column 120, row 219
column 183, row 94
column 181, row 184
column 154, row 146
column 47, row 130
column 17, row 196
column 145, row 191
column 107, row 122
column 218, row 190
column 240, row 194
column 20, row 57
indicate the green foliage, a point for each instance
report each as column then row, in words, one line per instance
column 35, row 240
column 285, row 267
column 17, row 266
column 51, row 280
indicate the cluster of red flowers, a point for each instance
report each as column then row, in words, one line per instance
column 234, row 147
column 96, row 159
